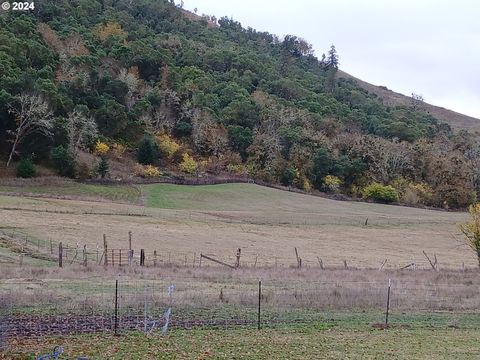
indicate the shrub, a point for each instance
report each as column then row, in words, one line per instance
column 412, row 193
column 63, row 161
column 147, row 151
column 288, row 176
column 83, row 171
column 332, row 183
column 118, row 150
column 237, row 169
column 101, row 148
column 381, row 193
column 168, row 146
column 151, row 171
column 418, row 193
column 471, row 229
column 188, row 164
column 306, row 185
column 26, row 169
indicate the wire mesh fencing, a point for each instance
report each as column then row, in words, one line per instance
column 60, row 307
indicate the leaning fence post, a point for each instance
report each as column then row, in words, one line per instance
column 259, row 302
column 60, row 254
column 388, row 302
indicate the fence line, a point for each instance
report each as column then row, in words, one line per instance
column 88, row 306
column 91, row 254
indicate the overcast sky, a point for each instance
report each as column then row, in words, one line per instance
column 427, row 47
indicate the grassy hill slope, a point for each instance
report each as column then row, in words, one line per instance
column 389, row 97
column 266, row 223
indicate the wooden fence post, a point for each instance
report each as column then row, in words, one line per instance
column 299, row 261
column 259, row 302
column 105, row 258
column 388, row 303
column 239, row 253
column 130, row 240
column 116, row 307
column 85, row 255
column 142, row 257
column 130, row 257
column 60, row 254
column 154, row 258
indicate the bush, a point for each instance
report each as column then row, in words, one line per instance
column 188, row 164
column 151, row 171
column 83, row 171
column 147, row 151
column 63, row 161
column 332, row 183
column 471, row 229
column 118, row 150
column 381, row 193
column 168, row 146
column 101, row 148
column 26, row 169
column 288, row 176
column 306, row 185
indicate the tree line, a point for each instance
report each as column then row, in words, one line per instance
column 181, row 93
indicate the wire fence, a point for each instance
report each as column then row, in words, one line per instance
column 89, row 254
column 39, row 308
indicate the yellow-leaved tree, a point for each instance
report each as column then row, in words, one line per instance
column 111, row 28
column 471, row 229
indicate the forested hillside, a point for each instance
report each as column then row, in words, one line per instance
column 186, row 94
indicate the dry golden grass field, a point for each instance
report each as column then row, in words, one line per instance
column 217, row 219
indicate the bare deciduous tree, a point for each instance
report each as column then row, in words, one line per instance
column 32, row 115
column 81, row 129
column 208, row 136
column 417, row 102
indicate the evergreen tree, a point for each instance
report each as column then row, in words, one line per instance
column 147, row 151
column 103, row 167
column 63, row 161
column 332, row 59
